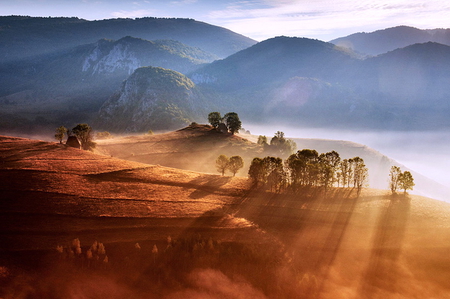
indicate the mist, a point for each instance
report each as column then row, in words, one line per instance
column 425, row 152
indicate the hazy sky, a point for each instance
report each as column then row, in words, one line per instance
column 258, row 19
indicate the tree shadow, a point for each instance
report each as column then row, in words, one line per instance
column 207, row 185
column 383, row 270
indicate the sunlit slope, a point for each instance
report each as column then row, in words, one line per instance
column 197, row 147
column 374, row 246
column 333, row 244
column 193, row 148
column 50, row 191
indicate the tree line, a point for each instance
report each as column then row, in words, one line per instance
column 308, row 168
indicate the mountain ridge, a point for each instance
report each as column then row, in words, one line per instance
column 385, row 40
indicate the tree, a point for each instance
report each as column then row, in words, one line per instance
column 345, row 173
column 222, row 164
column 394, row 178
column 84, row 134
column 406, row 181
column 235, row 164
column 60, row 133
column 232, row 121
column 262, row 140
column 256, row 171
column 280, row 146
column 214, row 118
column 329, row 164
column 360, row 173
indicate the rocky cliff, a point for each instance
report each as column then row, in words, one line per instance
column 152, row 98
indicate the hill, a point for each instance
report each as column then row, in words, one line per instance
column 389, row 39
column 224, row 236
column 197, row 147
column 24, row 36
column 152, row 98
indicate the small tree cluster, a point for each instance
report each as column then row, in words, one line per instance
column 231, row 121
column 233, row 164
column 400, row 180
column 279, row 146
column 307, row 168
column 84, row 134
column 103, row 135
column 93, row 257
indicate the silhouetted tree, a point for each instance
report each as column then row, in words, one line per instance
column 256, row 171
column 84, row 134
column 214, row 118
column 222, row 164
column 60, row 133
column 235, row 163
column 330, row 164
column 360, row 173
column 232, row 121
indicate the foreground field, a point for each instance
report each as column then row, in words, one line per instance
column 171, row 233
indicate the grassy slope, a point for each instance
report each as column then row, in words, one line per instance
column 193, row 148
column 335, row 245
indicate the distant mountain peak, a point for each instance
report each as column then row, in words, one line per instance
column 385, row 40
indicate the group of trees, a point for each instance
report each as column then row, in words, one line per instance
column 230, row 120
column 279, row 146
column 309, row 168
column 83, row 132
column 233, row 164
column 400, row 180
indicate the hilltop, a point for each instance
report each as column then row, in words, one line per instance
column 303, row 245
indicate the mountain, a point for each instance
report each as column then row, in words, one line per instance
column 278, row 58
column 282, row 77
column 152, row 98
column 69, row 86
column 23, row 36
column 304, row 82
column 382, row 41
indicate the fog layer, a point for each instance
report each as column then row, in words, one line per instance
column 424, row 152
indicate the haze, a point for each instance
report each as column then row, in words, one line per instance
column 425, row 152
column 261, row 19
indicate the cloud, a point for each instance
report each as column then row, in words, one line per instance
column 183, row 2
column 267, row 18
column 133, row 13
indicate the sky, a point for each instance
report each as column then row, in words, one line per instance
column 257, row 19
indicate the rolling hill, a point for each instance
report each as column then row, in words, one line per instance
column 196, row 148
column 224, row 236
